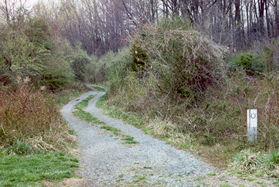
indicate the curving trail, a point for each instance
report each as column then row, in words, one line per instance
column 106, row 161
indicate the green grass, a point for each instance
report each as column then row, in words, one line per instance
column 28, row 170
column 65, row 96
column 84, row 103
column 118, row 114
column 225, row 185
column 114, row 131
column 138, row 179
column 119, row 178
column 212, row 174
column 86, row 116
column 101, row 102
column 129, row 140
column 99, row 88
column 118, row 133
column 83, row 115
column 249, row 164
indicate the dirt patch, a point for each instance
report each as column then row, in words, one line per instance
column 66, row 183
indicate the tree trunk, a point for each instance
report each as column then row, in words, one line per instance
column 276, row 12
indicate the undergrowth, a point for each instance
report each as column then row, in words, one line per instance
column 248, row 162
column 64, row 96
column 31, row 117
column 115, row 112
column 35, row 140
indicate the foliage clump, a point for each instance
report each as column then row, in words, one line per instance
column 80, row 61
column 250, row 162
column 268, row 54
column 140, row 57
column 185, row 62
column 247, row 61
column 29, row 49
column 30, row 120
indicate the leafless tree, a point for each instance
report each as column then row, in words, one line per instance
column 102, row 25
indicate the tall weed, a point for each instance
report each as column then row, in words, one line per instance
column 30, row 116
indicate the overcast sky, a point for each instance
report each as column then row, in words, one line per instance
column 32, row 2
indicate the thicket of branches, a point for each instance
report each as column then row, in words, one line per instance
column 102, row 25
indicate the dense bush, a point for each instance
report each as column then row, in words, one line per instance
column 117, row 68
column 269, row 54
column 91, row 69
column 248, row 61
column 30, row 117
column 185, row 62
column 222, row 115
column 140, row 61
column 80, row 61
column 20, row 57
column 32, row 51
column 113, row 67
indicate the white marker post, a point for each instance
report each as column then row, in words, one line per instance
column 252, row 125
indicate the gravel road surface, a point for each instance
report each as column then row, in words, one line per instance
column 106, row 161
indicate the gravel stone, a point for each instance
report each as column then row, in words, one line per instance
column 106, row 161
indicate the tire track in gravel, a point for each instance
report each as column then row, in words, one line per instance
column 106, row 161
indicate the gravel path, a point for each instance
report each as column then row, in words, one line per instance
column 106, row 161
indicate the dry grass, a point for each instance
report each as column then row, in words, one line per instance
column 31, row 116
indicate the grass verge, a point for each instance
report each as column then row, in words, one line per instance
column 99, row 88
column 37, row 143
column 115, row 112
column 119, row 134
column 86, row 116
column 65, row 96
column 168, row 132
column 16, row 170
column 83, row 115
column 248, row 163
column 233, row 159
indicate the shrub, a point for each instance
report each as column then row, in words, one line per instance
column 32, row 52
column 118, row 68
column 91, row 69
column 113, row 68
column 101, row 66
column 20, row 57
column 185, row 62
column 140, row 62
column 80, row 60
column 38, row 33
column 186, row 84
column 30, row 117
column 174, row 23
column 270, row 55
column 247, row 61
